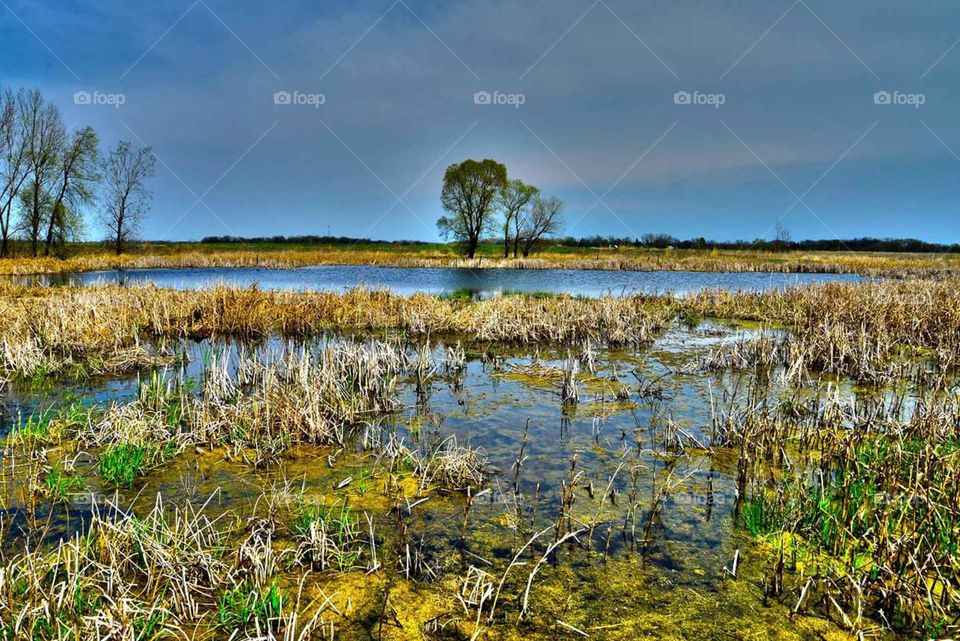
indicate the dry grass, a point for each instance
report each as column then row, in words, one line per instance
column 635, row 259
column 872, row 331
column 170, row 574
column 858, row 503
column 110, row 328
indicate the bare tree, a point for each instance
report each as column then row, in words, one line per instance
column 469, row 190
column 45, row 137
column 514, row 201
column 127, row 199
column 78, row 171
column 545, row 219
column 13, row 161
column 782, row 237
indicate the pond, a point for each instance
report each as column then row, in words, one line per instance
column 477, row 282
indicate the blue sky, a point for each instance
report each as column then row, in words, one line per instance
column 799, row 136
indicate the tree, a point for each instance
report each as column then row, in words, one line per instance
column 127, row 199
column 782, row 236
column 544, row 219
column 13, row 161
column 35, row 208
column 77, row 173
column 469, row 190
column 514, row 201
column 45, row 138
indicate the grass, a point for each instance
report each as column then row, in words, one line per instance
column 864, row 508
column 58, row 485
column 856, row 504
column 871, row 330
column 240, row 607
column 90, row 257
column 332, row 538
column 120, row 464
column 115, row 328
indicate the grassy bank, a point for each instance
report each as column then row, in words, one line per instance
column 89, row 257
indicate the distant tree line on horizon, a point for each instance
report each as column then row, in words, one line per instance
column 649, row 241
column 310, row 239
column 50, row 175
column 862, row 244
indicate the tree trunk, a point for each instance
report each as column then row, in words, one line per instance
column 119, row 220
column 527, row 246
column 35, row 221
column 5, row 230
column 46, row 249
column 506, row 240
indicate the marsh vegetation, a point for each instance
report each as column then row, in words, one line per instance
column 260, row 464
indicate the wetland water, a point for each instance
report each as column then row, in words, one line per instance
column 659, row 510
column 479, row 282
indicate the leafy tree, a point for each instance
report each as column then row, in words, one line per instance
column 468, row 197
column 514, row 201
column 127, row 199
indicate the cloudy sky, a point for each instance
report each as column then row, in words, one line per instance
column 692, row 118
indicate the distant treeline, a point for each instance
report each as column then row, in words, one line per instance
column 865, row 244
column 656, row 241
column 309, row 240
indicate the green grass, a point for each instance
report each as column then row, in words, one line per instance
column 339, row 523
column 341, row 518
column 58, row 485
column 122, row 463
column 36, row 430
column 239, row 607
column 49, row 427
column 759, row 516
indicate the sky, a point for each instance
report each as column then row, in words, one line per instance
column 691, row 118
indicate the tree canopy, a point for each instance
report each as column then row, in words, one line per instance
column 469, row 191
column 478, row 199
